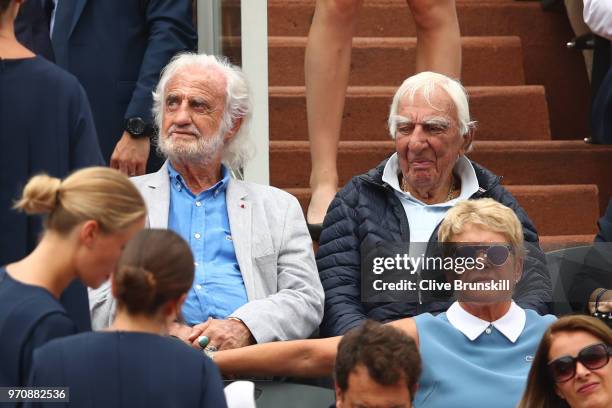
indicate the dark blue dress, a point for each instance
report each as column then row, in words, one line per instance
column 46, row 125
column 127, row 370
column 29, row 317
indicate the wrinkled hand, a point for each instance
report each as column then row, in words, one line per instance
column 182, row 331
column 130, row 155
column 222, row 334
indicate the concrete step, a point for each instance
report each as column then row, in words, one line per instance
column 560, row 209
column 502, row 112
column 392, row 18
column 555, row 210
column 388, row 61
column 543, row 35
column 519, row 162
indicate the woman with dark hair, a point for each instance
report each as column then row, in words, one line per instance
column 133, row 364
column 571, row 366
column 89, row 217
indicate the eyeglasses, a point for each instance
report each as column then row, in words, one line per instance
column 592, row 357
column 496, row 254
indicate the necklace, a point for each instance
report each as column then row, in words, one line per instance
column 451, row 190
column 449, row 196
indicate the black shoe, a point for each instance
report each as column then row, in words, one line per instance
column 583, row 42
column 315, row 230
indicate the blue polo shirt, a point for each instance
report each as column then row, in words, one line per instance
column 468, row 362
column 218, row 288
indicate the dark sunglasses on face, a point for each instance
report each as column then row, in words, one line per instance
column 592, row 357
column 496, row 254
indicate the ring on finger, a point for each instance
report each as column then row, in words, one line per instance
column 203, row 341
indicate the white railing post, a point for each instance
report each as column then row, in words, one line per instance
column 254, row 27
column 209, row 27
column 254, row 46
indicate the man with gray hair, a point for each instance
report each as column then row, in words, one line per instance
column 255, row 274
column 401, row 203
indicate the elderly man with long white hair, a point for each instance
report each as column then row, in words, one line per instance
column 404, row 199
column 256, row 280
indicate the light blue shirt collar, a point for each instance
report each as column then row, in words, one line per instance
column 463, row 169
column 177, row 182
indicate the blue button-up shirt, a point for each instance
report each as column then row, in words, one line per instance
column 202, row 220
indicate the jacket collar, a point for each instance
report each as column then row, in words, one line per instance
column 486, row 179
column 463, row 170
column 157, row 196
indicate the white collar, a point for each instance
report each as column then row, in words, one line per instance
column 510, row 325
column 463, row 169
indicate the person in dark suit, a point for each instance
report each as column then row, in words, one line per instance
column 591, row 289
column 32, row 27
column 117, row 48
column 132, row 364
column 46, row 125
column 89, row 218
column 601, row 113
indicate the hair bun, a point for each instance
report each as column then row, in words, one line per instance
column 40, row 195
column 136, row 287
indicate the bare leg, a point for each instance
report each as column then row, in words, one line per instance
column 327, row 65
column 574, row 14
column 438, row 37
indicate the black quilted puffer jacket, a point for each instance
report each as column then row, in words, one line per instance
column 367, row 211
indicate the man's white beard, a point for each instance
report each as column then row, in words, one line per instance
column 201, row 150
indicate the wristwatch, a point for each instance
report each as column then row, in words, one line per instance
column 138, row 128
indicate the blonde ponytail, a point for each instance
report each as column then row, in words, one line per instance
column 40, row 195
column 95, row 193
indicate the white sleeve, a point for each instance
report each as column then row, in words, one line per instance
column 597, row 15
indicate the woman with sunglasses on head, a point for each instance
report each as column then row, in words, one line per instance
column 132, row 363
column 89, row 217
column 572, row 366
column 476, row 354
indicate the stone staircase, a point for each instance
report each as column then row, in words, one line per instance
column 528, row 93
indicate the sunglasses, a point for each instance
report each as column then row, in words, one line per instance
column 592, row 357
column 496, row 254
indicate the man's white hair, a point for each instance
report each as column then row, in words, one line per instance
column 237, row 102
column 425, row 83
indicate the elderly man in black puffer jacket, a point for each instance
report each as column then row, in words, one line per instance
column 404, row 199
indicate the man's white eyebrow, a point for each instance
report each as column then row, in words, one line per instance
column 191, row 98
column 431, row 120
column 197, row 98
column 401, row 120
column 437, row 120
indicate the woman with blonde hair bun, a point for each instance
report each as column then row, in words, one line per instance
column 151, row 282
column 46, row 126
column 88, row 218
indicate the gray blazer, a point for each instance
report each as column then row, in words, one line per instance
column 274, row 253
